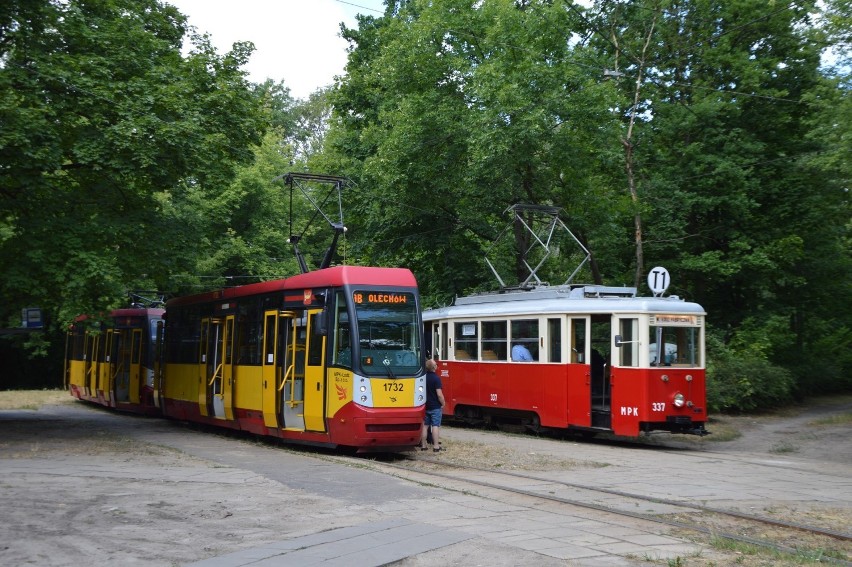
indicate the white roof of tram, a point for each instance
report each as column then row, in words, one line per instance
column 560, row 299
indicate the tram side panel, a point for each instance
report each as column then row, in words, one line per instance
column 248, row 398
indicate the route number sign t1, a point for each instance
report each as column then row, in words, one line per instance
column 658, row 280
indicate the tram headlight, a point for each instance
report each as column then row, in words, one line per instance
column 363, row 389
column 363, row 399
column 679, row 400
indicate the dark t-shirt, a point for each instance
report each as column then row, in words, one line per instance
column 433, row 383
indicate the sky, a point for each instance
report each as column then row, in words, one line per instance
column 296, row 41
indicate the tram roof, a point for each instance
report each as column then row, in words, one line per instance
column 328, row 277
column 561, row 299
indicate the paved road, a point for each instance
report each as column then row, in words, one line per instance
column 83, row 486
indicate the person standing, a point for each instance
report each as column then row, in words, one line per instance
column 434, row 407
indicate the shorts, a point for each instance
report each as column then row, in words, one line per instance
column 433, row 417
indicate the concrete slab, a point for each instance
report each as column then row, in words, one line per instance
column 366, row 545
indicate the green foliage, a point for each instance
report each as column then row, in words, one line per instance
column 715, row 128
column 105, row 126
column 744, row 381
column 449, row 114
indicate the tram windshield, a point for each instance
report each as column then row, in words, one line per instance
column 388, row 333
column 674, row 346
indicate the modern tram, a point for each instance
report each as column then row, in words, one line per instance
column 111, row 361
column 331, row 357
column 583, row 358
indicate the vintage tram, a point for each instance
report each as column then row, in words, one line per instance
column 331, row 357
column 584, row 358
column 110, row 360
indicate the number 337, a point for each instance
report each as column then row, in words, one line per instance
column 658, row 406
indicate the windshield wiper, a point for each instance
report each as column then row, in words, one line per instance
column 387, row 363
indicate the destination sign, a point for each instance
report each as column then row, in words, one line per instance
column 381, row 297
column 678, row 319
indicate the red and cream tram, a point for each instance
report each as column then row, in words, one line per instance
column 582, row 358
column 331, row 357
column 111, row 361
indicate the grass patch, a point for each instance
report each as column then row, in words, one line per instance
column 32, row 399
column 833, row 420
column 783, row 447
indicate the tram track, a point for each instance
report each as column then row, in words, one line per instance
column 670, row 513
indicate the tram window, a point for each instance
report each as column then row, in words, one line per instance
column 249, row 333
column 578, row 341
column 433, row 337
column 342, row 341
column 467, row 340
column 78, row 343
column 101, row 355
column 525, row 337
column 494, row 339
column 136, row 349
column 627, row 352
column 445, row 341
column 229, row 337
column 554, row 334
column 183, row 336
column 315, row 352
column 678, row 346
column 269, row 357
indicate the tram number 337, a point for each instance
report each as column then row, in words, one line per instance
column 658, row 406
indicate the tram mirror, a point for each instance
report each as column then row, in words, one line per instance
column 321, row 299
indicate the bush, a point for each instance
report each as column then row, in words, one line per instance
column 745, row 381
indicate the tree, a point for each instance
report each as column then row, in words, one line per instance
column 738, row 205
column 450, row 113
column 104, row 123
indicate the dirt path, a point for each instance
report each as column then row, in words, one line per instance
column 820, row 430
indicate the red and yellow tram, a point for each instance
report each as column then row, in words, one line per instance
column 331, row 357
column 111, row 361
column 581, row 358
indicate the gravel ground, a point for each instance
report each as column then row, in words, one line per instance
column 81, row 487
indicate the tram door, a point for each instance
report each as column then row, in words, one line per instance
column 601, row 333
column 92, row 341
column 135, row 366
column 110, row 366
column 211, row 396
column 228, row 369
column 277, row 334
column 159, row 385
column 579, row 382
column 99, row 369
column 293, row 342
column 120, row 367
column 315, row 374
